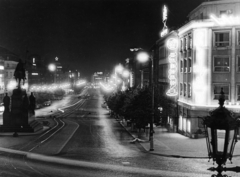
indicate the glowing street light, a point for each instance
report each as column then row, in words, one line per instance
column 52, row 67
column 142, row 57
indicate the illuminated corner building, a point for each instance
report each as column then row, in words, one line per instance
column 8, row 63
column 165, row 56
column 209, row 59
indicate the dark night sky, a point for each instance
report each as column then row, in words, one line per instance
column 89, row 35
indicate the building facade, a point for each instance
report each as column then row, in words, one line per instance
column 209, row 59
column 166, row 79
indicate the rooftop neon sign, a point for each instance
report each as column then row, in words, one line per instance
column 226, row 20
column 164, row 20
column 172, row 45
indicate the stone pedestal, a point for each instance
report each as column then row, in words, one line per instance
column 17, row 119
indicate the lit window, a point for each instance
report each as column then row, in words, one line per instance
column 185, row 89
column 221, row 64
column 181, row 88
column 181, row 65
column 238, row 37
column 238, row 92
column 189, row 90
column 185, row 44
column 189, row 41
column 181, row 45
column 185, row 66
column 217, row 91
column 189, row 65
column 201, row 16
column 222, row 39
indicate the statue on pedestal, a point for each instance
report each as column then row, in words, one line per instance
column 16, row 113
column 19, row 73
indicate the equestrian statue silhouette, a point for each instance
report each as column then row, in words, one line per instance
column 19, row 73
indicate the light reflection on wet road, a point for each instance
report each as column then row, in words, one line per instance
column 101, row 138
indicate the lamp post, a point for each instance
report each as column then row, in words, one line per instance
column 221, row 122
column 52, row 68
column 143, row 57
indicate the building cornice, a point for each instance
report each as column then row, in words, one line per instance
column 212, row 3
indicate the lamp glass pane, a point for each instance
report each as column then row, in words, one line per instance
column 210, row 139
column 230, row 140
column 220, row 141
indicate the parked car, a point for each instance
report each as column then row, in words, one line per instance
column 47, row 103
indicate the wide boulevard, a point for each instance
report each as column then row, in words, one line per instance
column 85, row 141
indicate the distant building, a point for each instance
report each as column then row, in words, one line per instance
column 36, row 70
column 8, row 63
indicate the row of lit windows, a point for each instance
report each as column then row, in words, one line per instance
column 185, row 89
column 10, row 74
column 220, row 39
column 186, row 65
column 186, row 43
column 220, row 64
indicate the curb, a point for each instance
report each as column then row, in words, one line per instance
column 165, row 155
column 99, row 166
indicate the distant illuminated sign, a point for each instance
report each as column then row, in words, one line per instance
column 59, row 66
column 56, row 58
column 35, row 74
column 1, row 67
column 172, row 45
column 164, row 20
column 99, row 72
column 34, row 60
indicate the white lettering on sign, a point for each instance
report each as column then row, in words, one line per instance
column 172, row 45
column 226, row 20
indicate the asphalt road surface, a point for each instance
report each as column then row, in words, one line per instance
column 94, row 144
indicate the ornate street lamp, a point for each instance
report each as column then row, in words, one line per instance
column 142, row 57
column 221, row 134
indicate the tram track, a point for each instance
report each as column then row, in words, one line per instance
column 40, row 140
column 59, row 125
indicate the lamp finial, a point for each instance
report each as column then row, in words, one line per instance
column 221, row 98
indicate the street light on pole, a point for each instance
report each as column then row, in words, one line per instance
column 52, row 67
column 142, row 57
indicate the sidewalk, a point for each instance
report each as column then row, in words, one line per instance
column 8, row 141
column 171, row 144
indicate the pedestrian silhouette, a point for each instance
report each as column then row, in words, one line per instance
column 32, row 105
column 6, row 102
